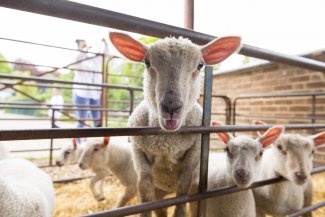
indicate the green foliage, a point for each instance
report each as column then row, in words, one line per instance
column 4, row 67
column 148, row 40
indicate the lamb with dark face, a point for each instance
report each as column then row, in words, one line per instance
column 169, row 163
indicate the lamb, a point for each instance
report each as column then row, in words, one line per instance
column 101, row 157
column 291, row 157
column 25, row 190
column 69, row 154
column 240, row 166
column 169, row 163
column 4, row 154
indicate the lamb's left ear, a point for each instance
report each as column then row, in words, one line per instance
column 270, row 136
column 129, row 47
column 220, row 49
column 106, row 140
column 319, row 138
column 223, row 136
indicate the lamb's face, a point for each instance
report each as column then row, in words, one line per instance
column 93, row 154
column 172, row 81
column 244, row 160
column 296, row 157
column 67, row 155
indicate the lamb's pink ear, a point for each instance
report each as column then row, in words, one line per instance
column 271, row 135
column 74, row 143
column 224, row 136
column 319, row 138
column 106, row 140
column 129, row 47
column 220, row 49
column 260, row 132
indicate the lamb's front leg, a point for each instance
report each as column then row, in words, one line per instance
column 189, row 167
column 98, row 196
column 145, row 184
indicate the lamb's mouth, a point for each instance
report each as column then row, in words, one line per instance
column 170, row 124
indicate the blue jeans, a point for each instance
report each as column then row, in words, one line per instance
column 81, row 114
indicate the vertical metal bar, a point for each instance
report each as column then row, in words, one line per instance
column 106, row 72
column 131, row 101
column 313, row 111
column 51, row 143
column 234, row 114
column 102, row 98
column 189, row 14
column 228, row 110
column 205, row 145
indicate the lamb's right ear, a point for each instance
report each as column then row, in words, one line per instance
column 74, row 143
column 223, row 136
column 260, row 132
column 270, row 136
column 319, row 139
column 106, row 140
column 129, row 47
column 220, row 49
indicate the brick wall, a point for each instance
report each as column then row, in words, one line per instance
column 271, row 78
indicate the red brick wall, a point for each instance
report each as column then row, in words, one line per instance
column 271, row 78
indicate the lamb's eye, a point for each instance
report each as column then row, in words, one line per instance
column 279, row 147
column 312, row 152
column 230, row 155
column 147, row 62
column 96, row 149
column 200, row 66
column 261, row 153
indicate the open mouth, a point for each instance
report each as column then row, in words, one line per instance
column 170, row 124
column 243, row 183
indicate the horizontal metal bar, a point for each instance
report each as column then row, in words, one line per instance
column 63, row 109
column 307, row 209
column 282, row 117
column 244, row 96
column 46, row 45
column 47, row 104
column 28, row 134
column 101, row 17
column 46, row 80
column 53, row 67
column 61, row 181
column 34, row 150
column 187, row 198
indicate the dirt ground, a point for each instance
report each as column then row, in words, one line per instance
column 75, row 198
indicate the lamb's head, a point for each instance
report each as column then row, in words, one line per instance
column 68, row 154
column 295, row 155
column 94, row 153
column 172, row 80
column 244, row 154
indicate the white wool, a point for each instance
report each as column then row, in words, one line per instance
column 4, row 153
column 285, row 197
column 25, row 190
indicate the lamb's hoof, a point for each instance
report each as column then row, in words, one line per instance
column 99, row 198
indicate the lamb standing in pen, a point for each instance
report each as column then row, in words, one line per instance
column 101, row 157
column 169, row 163
column 292, row 158
column 25, row 190
column 4, row 154
column 69, row 154
column 240, row 166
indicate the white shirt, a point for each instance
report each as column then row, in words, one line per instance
column 93, row 64
column 59, row 101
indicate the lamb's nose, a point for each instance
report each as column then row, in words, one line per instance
column 301, row 175
column 242, row 173
column 171, row 109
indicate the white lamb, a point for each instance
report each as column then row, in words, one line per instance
column 70, row 153
column 240, row 166
column 4, row 153
column 292, row 158
column 25, row 190
column 103, row 157
column 169, row 163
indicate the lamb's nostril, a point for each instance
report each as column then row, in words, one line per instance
column 301, row 175
column 242, row 173
column 171, row 109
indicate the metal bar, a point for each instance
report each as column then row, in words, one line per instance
column 51, row 141
column 131, row 101
column 205, row 143
column 54, row 67
column 60, row 181
column 187, row 198
column 45, row 80
column 307, row 209
column 45, row 45
column 29, row 134
column 63, row 109
column 34, row 150
column 281, row 117
column 189, row 14
column 101, row 17
column 280, row 95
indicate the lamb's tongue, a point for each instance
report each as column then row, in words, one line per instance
column 170, row 124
